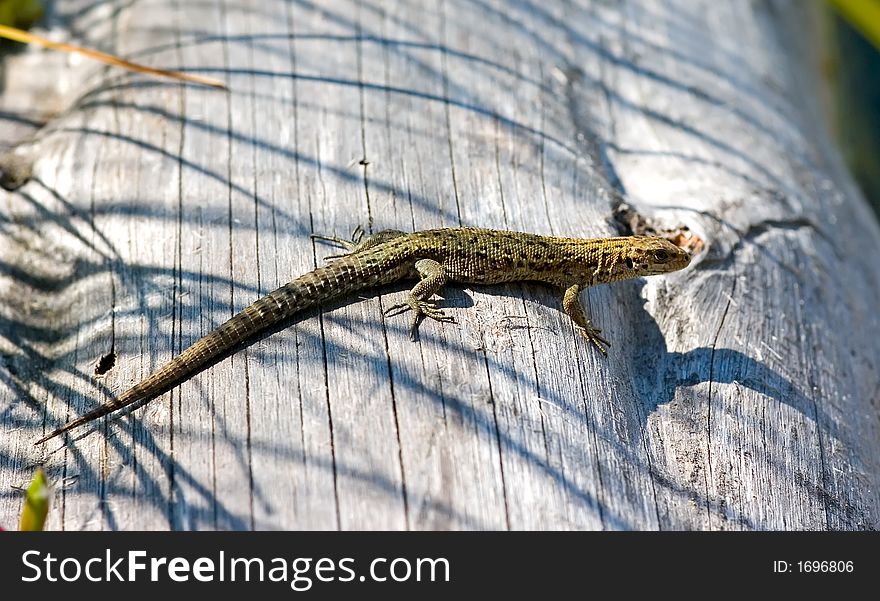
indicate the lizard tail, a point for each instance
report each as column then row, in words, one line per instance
column 323, row 284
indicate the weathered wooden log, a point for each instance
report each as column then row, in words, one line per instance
column 741, row 393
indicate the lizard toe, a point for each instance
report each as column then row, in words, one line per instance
column 434, row 313
column 592, row 334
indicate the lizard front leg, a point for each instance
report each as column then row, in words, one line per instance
column 433, row 277
column 571, row 304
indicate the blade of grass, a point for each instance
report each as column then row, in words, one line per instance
column 864, row 15
column 36, row 503
column 24, row 37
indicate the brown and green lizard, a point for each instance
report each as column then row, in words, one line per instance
column 434, row 257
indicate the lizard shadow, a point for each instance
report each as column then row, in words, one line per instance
column 672, row 381
column 668, row 370
column 677, row 382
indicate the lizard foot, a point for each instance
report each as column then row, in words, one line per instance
column 358, row 241
column 593, row 334
column 350, row 246
column 420, row 309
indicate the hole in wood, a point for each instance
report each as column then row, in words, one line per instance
column 105, row 363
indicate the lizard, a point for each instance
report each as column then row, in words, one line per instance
column 433, row 257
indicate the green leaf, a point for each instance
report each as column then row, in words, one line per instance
column 864, row 15
column 20, row 13
column 36, row 503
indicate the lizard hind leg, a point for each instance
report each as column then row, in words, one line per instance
column 357, row 243
column 433, row 277
column 571, row 304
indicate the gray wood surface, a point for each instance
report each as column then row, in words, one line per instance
column 741, row 393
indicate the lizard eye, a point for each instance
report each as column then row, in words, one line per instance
column 629, row 264
column 661, row 256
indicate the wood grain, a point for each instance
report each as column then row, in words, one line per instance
column 739, row 394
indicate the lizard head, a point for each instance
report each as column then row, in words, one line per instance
column 650, row 255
